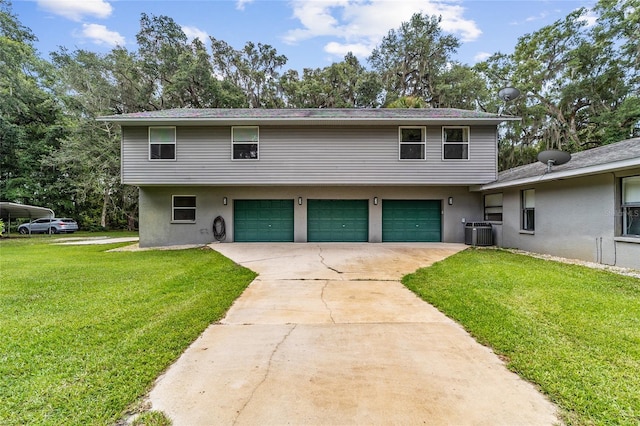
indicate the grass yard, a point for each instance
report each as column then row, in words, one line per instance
column 573, row 331
column 84, row 333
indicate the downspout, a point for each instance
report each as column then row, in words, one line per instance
column 616, row 206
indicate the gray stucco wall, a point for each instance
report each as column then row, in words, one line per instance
column 310, row 155
column 156, row 228
column 577, row 218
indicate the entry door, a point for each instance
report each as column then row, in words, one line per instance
column 411, row 221
column 263, row 221
column 337, row 220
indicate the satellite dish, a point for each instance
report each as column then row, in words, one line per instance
column 553, row 157
column 509, row 94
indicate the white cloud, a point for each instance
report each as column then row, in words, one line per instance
column 481, row 56
column 541, row 15
column 194, row 32
column 77, row 9
column 360, row 25
column 99, row 34
column 341, row 49
column 240, row 4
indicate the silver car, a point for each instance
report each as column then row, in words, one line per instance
column 49, row 225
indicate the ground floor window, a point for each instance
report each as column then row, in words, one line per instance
column 184, row 208
column 631, row 205
column 528, row 209
column 493, row 207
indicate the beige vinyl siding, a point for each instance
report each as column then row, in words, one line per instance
column 309, row 155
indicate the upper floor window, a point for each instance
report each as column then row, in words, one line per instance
column 413, row 143
column 183, row 208
column 162, row 143
column 528, row 209
column 493, row 207
column 631, row 205
column 455, row 143
column 245, row 141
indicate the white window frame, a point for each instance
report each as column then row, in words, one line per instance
column 423, row 142
column 256, row 142
column 525, row 208
column 496, row 206
column 467, row 142
column 174, row 208
column 630, row 208
column 174, row 143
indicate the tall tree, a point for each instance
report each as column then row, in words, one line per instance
column 90, row 155
column 346, row 84
column 578, row 90
column 31, row 124
column 460, row 86
column 254, row 69
column 412, row 60
column 618, row 26
column 178, row 73
column 619, row 23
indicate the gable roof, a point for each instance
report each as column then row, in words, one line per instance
column 616, row 156
column 323, row 116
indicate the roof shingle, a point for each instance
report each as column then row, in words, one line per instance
column 619, row 151
column 308, row 113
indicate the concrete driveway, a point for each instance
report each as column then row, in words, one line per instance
column 328, row 335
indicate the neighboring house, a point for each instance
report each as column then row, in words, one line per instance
column 588, row 208
column 308, row 175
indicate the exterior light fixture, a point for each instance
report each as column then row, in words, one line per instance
column 299, row 201
column 450, row 201
column 375, row 201
column 224, row 200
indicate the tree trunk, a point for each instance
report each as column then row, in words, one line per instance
column 105, row 204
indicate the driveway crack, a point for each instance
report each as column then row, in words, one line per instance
column 325, row 302
column 325, row 265
column 266, row 374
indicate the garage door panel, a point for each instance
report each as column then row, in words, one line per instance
column 263, row 220
column 337, row 220
column 411, row 221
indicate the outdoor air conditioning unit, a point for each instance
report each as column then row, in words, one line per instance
column 478, row 234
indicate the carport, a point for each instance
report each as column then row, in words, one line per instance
column 10, row 211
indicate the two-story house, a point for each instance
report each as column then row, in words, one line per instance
column 308, row 175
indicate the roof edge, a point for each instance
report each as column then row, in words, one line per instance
column 549, row 177
column 222, row 121
column 8, row 206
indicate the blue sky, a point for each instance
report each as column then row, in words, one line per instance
column 311, row 33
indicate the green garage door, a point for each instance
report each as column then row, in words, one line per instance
column 338, row 220
column 263, row 221
column 411, row 221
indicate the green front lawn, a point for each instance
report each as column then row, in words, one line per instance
column 84, row 332
column 573, row 331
